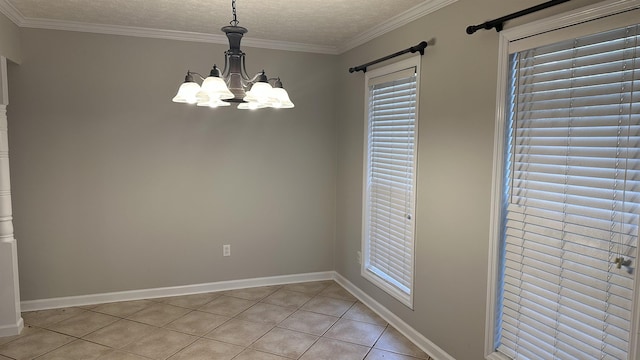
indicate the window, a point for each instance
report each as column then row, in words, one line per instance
column 568, row 203
column 389, row 179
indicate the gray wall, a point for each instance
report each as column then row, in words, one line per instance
column 9, row 39
column 116, row 188
column 455, row 156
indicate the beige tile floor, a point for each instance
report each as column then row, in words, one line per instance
column 308, row 321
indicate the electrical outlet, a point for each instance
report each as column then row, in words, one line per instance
column 359, row 257
column 226, row 250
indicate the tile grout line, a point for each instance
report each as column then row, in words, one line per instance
column 197, row 336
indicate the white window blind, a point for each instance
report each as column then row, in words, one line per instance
column 390, row 178
column 572, row 193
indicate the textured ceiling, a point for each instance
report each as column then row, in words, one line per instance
column 314, row 22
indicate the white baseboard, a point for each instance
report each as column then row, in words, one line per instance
column 426, row 345
column 11, row 330
column 61, row 302
column 422, row 342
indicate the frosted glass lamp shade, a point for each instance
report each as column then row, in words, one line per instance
column 213, row 103
column 187, row 93
column 251, row 105
column 280, row 99
column 260, row 92
column 215, row 87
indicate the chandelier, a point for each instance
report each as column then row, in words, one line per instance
column 232, row 84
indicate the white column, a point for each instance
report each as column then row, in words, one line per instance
column 10, row 319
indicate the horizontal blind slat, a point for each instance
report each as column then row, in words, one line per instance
column 390, row 177
column 573, row 198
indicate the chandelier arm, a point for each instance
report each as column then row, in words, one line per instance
column 277, row 83
column 195, row 73
column 226, row 69
column 253, row 79
column 244, row 72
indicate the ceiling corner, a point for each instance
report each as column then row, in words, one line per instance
column 416, row 12
column 11, row 12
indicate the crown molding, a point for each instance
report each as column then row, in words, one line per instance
column 11, row 12
column 288, row 46
column 170, row 35
column 420, row 10
column 20, row 20
column 416, row 12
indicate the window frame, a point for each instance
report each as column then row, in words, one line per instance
column 395, row 292
column 537, row 28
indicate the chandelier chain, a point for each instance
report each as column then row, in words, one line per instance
column 235, row 21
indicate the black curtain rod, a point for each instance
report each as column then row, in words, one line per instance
column 499, row 22
column 420, row 47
